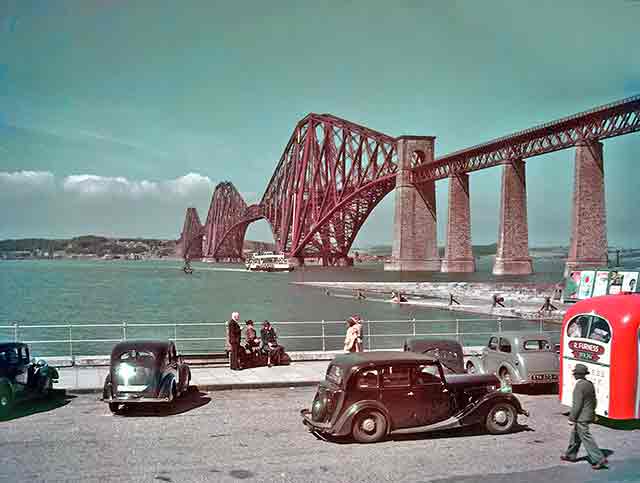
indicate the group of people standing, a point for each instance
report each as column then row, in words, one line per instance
column 267, row 343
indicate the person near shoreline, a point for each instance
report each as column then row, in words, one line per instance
column 360, row 295
column 234, row 335
column 452, row 300
column 582, row 414
column 270, row 344
column 353, row 338
column 547, row 306
column 497, row 300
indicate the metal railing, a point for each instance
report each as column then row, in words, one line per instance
column 308, row 335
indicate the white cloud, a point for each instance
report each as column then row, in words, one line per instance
column 26, row 183
column 92, row 185
column 27, row 178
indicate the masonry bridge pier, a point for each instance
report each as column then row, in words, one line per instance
column 333, row 173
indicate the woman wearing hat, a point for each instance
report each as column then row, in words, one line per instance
column 583, row 412
column 353, row 339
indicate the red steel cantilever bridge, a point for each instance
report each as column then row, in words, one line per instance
column 333, row 173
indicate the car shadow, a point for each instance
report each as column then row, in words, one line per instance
column 26, row 407
column 464, row 432
column 623, row 425
column 536, row 389
column 192, row 399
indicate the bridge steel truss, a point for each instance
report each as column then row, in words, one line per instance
column 190, row 243
column 330, row 177
column 333, row 173
column 615, row 119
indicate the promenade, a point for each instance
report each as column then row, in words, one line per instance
column 82, row 379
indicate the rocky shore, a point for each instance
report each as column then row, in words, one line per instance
column 520, row 300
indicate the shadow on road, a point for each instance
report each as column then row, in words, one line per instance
column 192, row 399
column 465, row 432
column 27, row 407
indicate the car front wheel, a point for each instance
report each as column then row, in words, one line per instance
column 501, row 418
column 471, row 369
column 369, row 427
column 505, row 377
column 114, row 407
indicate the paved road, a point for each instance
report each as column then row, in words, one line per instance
column 256, row 435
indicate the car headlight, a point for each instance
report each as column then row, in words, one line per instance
column 126, row 371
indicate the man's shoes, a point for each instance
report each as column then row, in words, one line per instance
column 567, row 459
column 600, row 466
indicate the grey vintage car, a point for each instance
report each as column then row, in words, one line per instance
column 517, row 358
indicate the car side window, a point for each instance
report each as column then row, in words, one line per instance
column 395, row 376
column 368, row 379
column 493, row 343
column 12, row 355
column 505, row 345
column 23, row 355
column 425, row 375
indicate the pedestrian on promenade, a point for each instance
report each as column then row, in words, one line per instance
column 234, row 335
column 360, row 295
column 353, row 338
column 452, row 300
column 583, row 412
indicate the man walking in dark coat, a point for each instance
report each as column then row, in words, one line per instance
column 583, row 412
column 235, row 333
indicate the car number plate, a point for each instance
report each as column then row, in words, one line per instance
column 544, row 377
column 131, row 388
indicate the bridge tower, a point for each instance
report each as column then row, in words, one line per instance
column 588, row 246
column 512, row 257
column 415, row 239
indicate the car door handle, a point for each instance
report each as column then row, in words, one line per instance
column 410, row 393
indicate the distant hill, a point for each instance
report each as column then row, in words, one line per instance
column 100, row 246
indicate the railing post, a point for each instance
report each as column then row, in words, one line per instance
column 70, row 342
column 458, row 330
column 499, row 324
column 413, row 323
column 541, row 325
column 324, row 346
column 370, row 345
column 15, row 332
column 175, row 333
column 124, row 331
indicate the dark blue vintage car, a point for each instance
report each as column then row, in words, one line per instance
column 21, row 377
column 145, row 371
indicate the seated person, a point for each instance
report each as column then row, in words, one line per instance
column 251, row 337
column 397, row 297
column 270, row 344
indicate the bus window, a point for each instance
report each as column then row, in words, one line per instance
column 600, row 330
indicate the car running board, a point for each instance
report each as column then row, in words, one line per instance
column 452, row 422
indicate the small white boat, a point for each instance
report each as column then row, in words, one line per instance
column 268, row 262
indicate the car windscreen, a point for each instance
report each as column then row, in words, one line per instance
column 138, row 357
column 537, row 345
column 334, row 374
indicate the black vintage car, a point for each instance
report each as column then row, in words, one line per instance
column 145, row 371
column 448, row 352
column 21, row 377
column 374, row 394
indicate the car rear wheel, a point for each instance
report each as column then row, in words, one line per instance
column 501, row 418
column 369, row 427
column 5, row 400
column 114, row 407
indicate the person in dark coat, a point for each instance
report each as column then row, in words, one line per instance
column 583, row 413
column 235, row 333
column 270, row 343
column 251, row 336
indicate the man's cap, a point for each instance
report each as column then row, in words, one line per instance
column 580, row 370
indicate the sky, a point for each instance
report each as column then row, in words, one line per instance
column 115, row 116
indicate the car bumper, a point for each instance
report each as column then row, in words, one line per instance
column 134, row 400
column 314, row 426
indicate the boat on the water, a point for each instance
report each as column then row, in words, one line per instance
column 268, row 262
